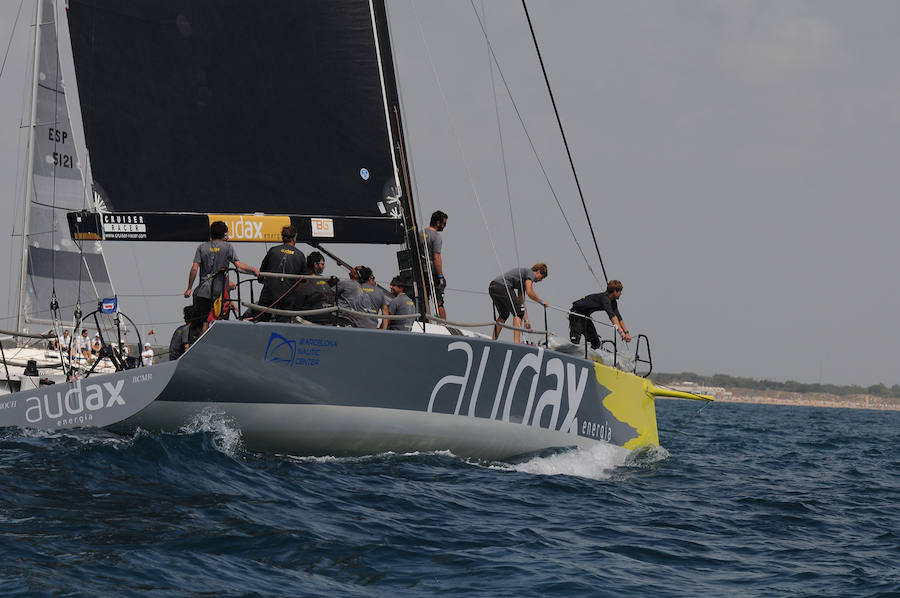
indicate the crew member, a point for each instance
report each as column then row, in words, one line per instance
column 65, row 343
column 315, row 294
column 181, row 338
column 400, row 305
column 211, row 261
column 348, row 294
column 279, row 292
column 584, row 307
column 147, row 355
column 83, row 345
column 375, row 299
column 434, row 241
column 507, row 292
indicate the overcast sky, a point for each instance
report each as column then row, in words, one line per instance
column 739, row 161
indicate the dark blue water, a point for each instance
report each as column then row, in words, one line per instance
column 750, row 500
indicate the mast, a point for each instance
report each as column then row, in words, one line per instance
column 414, row 243
column 29, row 174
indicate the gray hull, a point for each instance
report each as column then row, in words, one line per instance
column 318, row 390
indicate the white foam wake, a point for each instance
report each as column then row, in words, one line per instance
column 226, row 434
column 596, row 462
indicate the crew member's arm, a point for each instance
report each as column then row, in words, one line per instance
column 529, row 288
column 620, row 326
column 245, row 268
column 384, row 322
column 438, row 265
column 195, row 267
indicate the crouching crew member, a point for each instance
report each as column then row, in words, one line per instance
column 608, row 302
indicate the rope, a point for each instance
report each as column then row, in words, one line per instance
column 12, row 35
column 456, row 137
column 533, row 148
column 330, row 310
column 486, row 324
column 565, row 141
column 705, row 405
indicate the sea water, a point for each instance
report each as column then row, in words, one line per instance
column 746, row 500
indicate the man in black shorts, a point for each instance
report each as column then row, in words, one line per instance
column 608, row 302
column 434, row 240
column 508, row 292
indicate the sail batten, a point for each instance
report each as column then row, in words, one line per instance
column 220, row 107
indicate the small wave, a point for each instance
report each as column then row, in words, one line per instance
column 226, row 435
column 367, row 458
column 597, row 462
column 647, row 456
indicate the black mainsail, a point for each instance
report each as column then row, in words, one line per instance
column 204, row 108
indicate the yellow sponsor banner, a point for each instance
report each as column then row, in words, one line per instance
column 252, row 228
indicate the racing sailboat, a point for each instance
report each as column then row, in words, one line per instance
column 288, row 112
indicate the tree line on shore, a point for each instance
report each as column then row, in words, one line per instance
column 724, row 380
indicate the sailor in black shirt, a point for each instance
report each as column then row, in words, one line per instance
column 285, row 259
column 316, row 294
column 587, row 305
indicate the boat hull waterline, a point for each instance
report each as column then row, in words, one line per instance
column 319, row 390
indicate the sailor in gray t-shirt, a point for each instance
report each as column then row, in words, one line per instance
column 434, row 242
column 508, row 292
column 374, row 296
column 352, row 294
column 209, row 260
column 400, row 305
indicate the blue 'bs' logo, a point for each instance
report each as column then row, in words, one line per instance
column 281, row 350
column 364, row 173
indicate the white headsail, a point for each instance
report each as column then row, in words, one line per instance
column 58, row 182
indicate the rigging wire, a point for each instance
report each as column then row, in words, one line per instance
column 512, row 218
column 565, row 141
column 465, row 162
column 533, row 147
column 12, row 34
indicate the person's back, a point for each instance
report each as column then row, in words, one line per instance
column 349, row 295
column 211, row 260
column 180, row 338
column 284, row 259
column 515, row 279
column 213, row 256
column 315, row 294
column 401, row 305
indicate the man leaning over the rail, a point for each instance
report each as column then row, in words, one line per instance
column 211, row 260
column 508, row 292
column 608, row 302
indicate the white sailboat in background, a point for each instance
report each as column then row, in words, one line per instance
column 286, row 112
column 57, row 276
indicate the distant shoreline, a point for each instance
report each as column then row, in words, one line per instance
column 797, row 399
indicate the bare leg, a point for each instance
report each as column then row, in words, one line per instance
column 517, row 336
column 497, row 328
column 442, row 312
